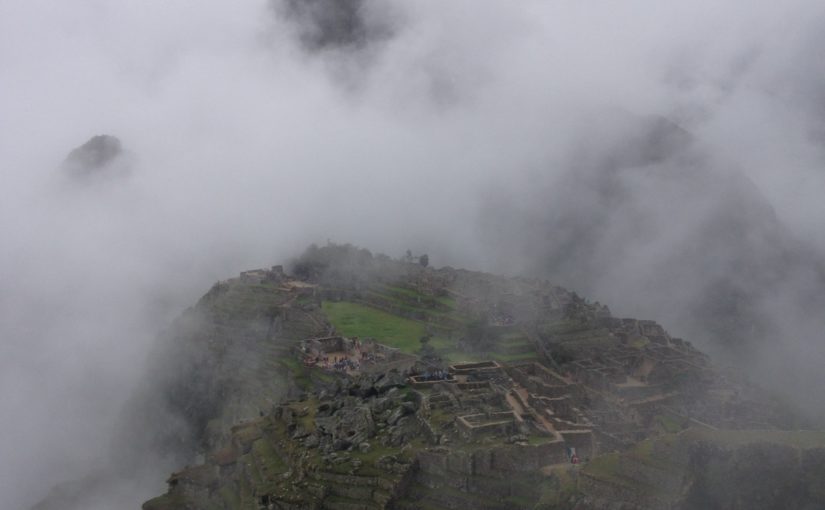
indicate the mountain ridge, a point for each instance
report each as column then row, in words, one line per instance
column 353, row 380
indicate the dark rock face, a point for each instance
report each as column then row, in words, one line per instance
column 334, row 24
column 99, row 153
column 650, row 220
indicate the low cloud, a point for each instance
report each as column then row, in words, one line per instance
column 646, row 155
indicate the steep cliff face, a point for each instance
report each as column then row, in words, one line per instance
column 703, row 468
column 225, row 360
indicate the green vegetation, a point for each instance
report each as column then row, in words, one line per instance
column 447, row 301
column 439, row 312
column 669, row 423
column 305, row 412
column 667, row 456
column 558, row 489
column 448, row 350
column 247, row 432
column 235, row 301
column 795, row 438
column 403, row 291
column 230, row 497
column 299, row 373
column 515, row 357
column 166, row 502
column 613, row 467
column 440, row 417
column 475, row 500
column 564, row 327
column 267, row 458
column 412, row 298
column 605, row 467
column 535, row 439
column 352, row 319
column 639, row 343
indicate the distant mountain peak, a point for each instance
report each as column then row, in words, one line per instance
column 100, row 154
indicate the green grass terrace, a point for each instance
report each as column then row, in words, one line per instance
column 363, row 321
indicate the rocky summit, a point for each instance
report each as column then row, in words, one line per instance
column 356, row 381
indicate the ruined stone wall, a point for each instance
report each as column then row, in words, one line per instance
column 476, row 424
column 539, row 387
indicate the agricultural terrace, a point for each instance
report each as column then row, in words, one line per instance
column 412, row 315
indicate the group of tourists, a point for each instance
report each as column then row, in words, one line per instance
column 437, row 374
column 344, row 363
column 341, row 364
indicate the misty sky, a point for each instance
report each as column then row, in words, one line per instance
column 248, row 141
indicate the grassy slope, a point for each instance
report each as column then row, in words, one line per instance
column 362, row 320
column 352, row 319
column 611, row 466
column 795, row 438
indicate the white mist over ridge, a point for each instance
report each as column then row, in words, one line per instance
column 251, row 142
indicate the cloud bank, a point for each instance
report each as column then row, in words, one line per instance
column 512, row 137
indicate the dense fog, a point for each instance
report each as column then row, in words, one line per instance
column 665, row 159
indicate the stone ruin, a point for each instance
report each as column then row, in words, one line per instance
column 521, row 404
column 607, row 397
column 353, row 355
column 260, row 276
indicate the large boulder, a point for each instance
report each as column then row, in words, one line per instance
column 352, row 424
